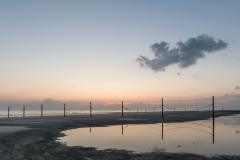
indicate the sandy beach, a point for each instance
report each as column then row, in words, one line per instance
column 34, row 137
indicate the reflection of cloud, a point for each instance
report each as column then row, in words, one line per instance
column 236, row 87
column 182, row 137
column 237, row 131
column 184, row 54
column 178, row 73
column 155, row 149
column 230, row 120
column 179, row 146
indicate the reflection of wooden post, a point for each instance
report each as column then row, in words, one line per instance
column 213, row 117
column 162, row 130
column 162, row 107
column 122, row 129
column 8, row 111
column 41, row 110
column 90, row 129
column 24, row 111
column 122, row 108
column 64, row 110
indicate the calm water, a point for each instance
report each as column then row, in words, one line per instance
column 191, row 137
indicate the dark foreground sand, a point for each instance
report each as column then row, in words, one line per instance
column 38, row 141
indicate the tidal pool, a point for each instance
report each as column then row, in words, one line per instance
column 191, row 137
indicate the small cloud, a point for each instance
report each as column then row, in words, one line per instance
column 236, row 87
column 237, row 132
column 178, row 73
column 226, row 96
column 179, row 146
column 237, row 96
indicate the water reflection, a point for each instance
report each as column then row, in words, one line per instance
column 194, row 137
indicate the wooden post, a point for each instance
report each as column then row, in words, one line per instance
column 23, row 111
column 213, row 117
column 64, row 110
column 8, row 111
column 90, row 109
column 122, row 108
column 213, row 106
column 41, row 110
column 162, row 107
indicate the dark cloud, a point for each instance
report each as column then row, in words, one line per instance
column 231, row 96
column 236, row 87
column 178, row 73
column 184, row 54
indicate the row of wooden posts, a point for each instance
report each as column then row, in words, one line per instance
column 90, row 109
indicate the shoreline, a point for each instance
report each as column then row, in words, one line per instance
column 38, row 142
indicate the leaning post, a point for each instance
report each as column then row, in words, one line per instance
column 162, row 107
column 64, row 110
column 122, row 108
column 8, row 111
column 23, row 111
column 41, row 110
column 90, row 109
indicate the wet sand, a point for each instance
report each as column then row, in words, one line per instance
column 38, row 142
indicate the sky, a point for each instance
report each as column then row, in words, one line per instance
column 111, row 51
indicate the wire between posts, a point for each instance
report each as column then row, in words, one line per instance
column 169, row 108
